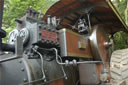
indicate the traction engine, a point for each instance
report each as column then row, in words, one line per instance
column 41, row 54
column 52, row 49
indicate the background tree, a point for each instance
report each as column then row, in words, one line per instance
column 121, row 41
column 116, row 3
column 126, row 13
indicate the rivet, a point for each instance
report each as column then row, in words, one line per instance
column 22, row 69
column 25, row 80
column 20, row 61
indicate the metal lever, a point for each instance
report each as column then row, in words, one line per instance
column 18, row 50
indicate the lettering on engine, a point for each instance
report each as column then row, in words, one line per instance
column 47, row 35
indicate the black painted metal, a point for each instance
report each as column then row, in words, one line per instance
column 8, row 47
column 1, row 11
column 2, row 32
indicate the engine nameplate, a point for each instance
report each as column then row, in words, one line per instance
column 47, row 35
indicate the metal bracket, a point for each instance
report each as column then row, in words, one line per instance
column 19, row 46
column 18, row 50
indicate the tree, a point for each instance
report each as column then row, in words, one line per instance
column 126, row 13
column 121, row 8
column 120, row 39
column 16, row 8
column 116, row 3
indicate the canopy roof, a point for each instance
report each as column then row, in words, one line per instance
column 101, row 12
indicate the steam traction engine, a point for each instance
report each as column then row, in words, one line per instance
column 68, row 47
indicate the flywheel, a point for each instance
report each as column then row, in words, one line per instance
column 99, row 44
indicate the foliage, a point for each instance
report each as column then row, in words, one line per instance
column 122, row 5
column 121, row 41
column 120, row 37
column 16, row 8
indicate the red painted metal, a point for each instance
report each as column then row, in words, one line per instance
column 57, row 82
column 52, row 36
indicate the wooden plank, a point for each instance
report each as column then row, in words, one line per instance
column 103, row 10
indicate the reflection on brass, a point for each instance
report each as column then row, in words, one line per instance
column 81, row 45
column 77, row 55
column 70, row 31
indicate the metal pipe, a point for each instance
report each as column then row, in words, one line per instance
column 74, row 61
column 9, row 59
column 42, row 66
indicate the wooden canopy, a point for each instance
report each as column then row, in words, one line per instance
column 101, row 12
